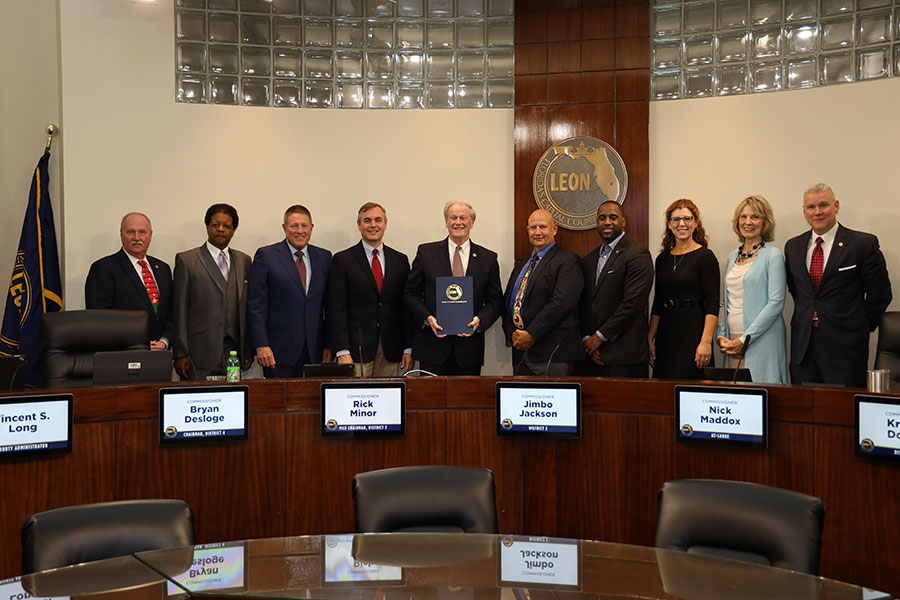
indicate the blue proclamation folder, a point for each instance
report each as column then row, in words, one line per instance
column 454, row 304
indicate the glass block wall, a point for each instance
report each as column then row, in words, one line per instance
column 725, row 47
column 345, row 53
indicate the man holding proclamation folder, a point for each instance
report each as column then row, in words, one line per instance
column 453, row 294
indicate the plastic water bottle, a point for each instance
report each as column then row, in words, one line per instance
column 232, row 367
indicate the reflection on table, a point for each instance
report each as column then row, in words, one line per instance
column 429, row 567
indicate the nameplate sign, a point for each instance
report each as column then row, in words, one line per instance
column 203, row 413
column 213, row 567
column 729, row 415
column 34, row 425
column 540, row 561
column 11, row 589
column 877, row 426
column 339, row 567
column 360, row 409
column 539, row 409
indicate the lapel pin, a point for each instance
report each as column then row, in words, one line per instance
column 840, row 243
column 474, row 255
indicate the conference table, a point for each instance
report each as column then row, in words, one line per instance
column 430, row 566
column 286, row 479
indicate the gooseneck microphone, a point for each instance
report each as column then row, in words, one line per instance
column 741, row 359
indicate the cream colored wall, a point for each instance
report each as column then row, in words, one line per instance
column 130, row 146
column 29, row 100
column 717, row 151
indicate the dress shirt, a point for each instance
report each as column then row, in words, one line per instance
column 381, row 259
column 140, row 273
column 215, row 252
column 827, row 243
column 306, row 261
column 463, row 253
column 515, row 290
column 601, row 264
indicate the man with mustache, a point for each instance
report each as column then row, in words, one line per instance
column 132, row 280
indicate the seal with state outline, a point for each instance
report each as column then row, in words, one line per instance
column 575, row 176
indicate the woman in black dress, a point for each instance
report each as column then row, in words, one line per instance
column 686, row 300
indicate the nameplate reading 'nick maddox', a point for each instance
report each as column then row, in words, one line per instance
column 371, row 408
column 575, row 176
column 341, row 567
column 538, row 409
column 213, row 567
column 208, row 413
column 540, row 561
column 454, row 304
column 877, row 426
column 31, row 425
column 731, row 415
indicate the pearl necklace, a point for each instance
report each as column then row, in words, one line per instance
column 742, row 256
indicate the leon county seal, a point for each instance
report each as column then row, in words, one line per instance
column 575, row 176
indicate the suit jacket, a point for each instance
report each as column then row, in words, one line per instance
column 549, row 307
column 113, row 282
column 359, row 316
column 280, row 314
column 200, row 307
column 616, row 303
column 433, row 260
column 853, row 294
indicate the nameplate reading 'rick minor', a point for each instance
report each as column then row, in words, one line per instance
column 537, row 561
column 724, row 414
column 454, row 304
column 35, row 425
column 575, row 176
column 341, row 567
column 210, row 413
column 363, row 409
column 213, row 567
column 877, row 427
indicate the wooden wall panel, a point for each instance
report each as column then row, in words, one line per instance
column 587, row 62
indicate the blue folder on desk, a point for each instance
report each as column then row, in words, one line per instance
column 454, row 304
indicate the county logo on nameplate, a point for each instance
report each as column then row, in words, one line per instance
column 575, row 176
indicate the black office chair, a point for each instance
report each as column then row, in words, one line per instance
column 741, row 521
column 887, row 354
column 89, row 532
column 72, row 337
column 425, row 498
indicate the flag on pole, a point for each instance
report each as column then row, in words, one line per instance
column 35, row 287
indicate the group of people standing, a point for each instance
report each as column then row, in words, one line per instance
column 295, row 303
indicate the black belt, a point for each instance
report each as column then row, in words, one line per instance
column 680, row 303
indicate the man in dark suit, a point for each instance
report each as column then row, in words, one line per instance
column 540, row 304
column 285, row 306
column 367, row 319
column 618, row 275
column 211, row 300
column 840, row 285
column 131, row 280
column 455, row 256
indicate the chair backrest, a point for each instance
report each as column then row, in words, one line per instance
column 77, row 534
column 425, row 498
column 887, row 355
column 71, row 338
column 741, row 521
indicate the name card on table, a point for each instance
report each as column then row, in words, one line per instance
column 340, row 567
column 538, row 409
column 203, row 414
column 363, row 409
column 727, row 415
column 540, row 562
column 213, row 567
column 877, row 426
column 34, row 425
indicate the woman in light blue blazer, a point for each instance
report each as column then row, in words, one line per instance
column 753, row 295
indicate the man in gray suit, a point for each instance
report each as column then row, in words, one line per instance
column 210, row 300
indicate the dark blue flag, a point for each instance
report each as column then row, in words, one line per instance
column 34, row 288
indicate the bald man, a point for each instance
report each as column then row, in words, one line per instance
column 540, row 304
